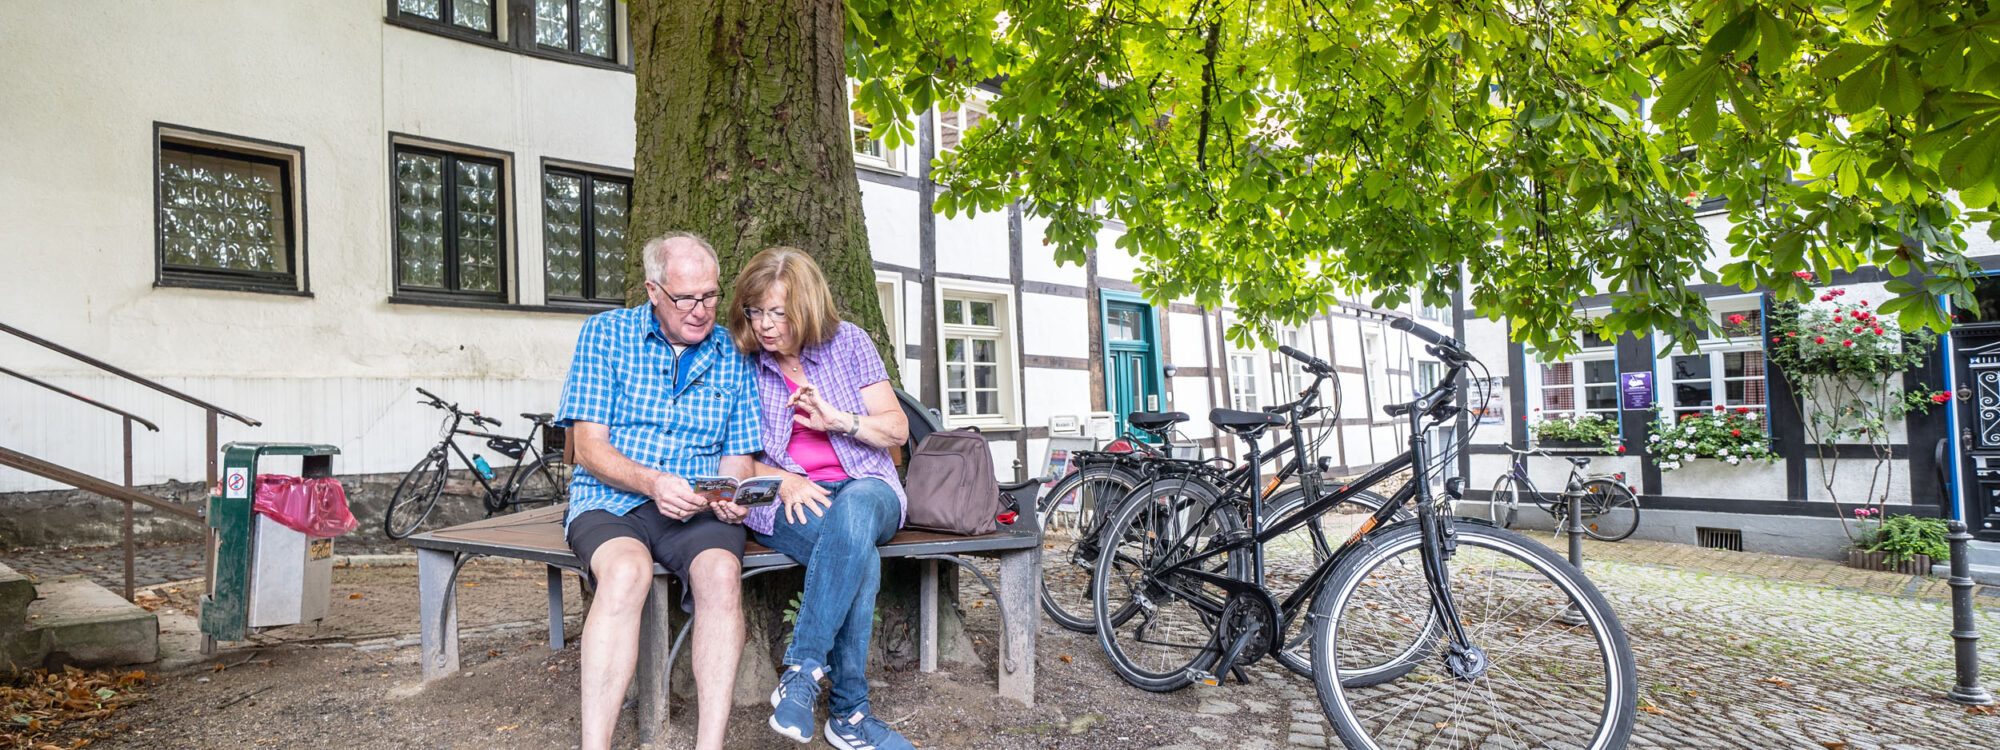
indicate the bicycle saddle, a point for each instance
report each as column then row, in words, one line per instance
column 1580, row 461
column 538, row 418
column 1154, row 421
column 1231, row 419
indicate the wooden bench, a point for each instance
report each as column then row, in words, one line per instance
column 537, row 535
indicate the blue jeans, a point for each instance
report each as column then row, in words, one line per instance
column 843, row 573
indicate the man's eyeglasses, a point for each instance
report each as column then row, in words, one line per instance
column 686, row 304
column 754, row 314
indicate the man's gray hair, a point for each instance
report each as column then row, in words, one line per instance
column 659, row 250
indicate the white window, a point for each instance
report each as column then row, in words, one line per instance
column 953, row 124
column 1728, row 370
column 1243, row 382
column 978, row 357
column 1587, row 382
column 1375, row 362
column 1295, row 378
column 1428, row 375
column 868, row 152
column 888, row 292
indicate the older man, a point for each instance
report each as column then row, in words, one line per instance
column 652, row 399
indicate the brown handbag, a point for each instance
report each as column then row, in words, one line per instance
column 950, row 485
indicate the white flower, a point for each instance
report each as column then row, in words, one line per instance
column 1752, row 416
column 1732, row 461
column 1680, row 443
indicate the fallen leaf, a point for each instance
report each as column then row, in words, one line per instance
column 1064, row 658
column 493, row 652
column 510, row 727
column 1834, row 745
column 355, row 595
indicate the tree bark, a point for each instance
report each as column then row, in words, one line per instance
column 744, row 138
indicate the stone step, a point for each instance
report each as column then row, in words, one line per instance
column 1984, row 575
column 16, row 591
column 75, row 621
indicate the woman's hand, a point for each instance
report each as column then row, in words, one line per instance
column 800, row 494
column 815, row 414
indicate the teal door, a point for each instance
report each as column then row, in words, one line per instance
column 1131, row 367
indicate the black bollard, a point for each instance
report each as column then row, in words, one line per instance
column 1964, row 629
column 1573, row 616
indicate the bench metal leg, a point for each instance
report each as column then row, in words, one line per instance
column 655, row 642
column 1020, row 571
column 555, row 608
column 927, row 618
column 437, row 612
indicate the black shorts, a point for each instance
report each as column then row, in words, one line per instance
column 674, row 543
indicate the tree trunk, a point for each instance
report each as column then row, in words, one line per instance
column 744, row 138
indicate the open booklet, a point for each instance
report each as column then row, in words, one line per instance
column 748, row 493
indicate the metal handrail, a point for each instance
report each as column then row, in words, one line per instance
column 120, row 372
column 86, row 399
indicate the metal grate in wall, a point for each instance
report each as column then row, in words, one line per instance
column 1729, row 539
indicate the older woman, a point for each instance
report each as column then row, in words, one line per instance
column 829, row 416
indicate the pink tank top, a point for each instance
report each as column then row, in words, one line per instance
column 813, row 450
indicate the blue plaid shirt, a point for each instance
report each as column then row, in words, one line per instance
column 680, row 415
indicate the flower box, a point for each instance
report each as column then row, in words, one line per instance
column 1716, row 478
column 1570, row 446
column 1916, row 565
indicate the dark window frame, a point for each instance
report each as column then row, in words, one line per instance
column 443, row 23
column 503, row 265
column 589, row 273
column 520, row 37
column 290, row 161
column 575, row 19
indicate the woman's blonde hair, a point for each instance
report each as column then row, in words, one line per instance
column 809, row 313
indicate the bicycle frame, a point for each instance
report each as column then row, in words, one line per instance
column 529, row 455
column 1436, row 527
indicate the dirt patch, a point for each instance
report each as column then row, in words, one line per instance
column 513, row 692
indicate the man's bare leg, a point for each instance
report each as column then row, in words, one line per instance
column 624, row 572
column 718, row 639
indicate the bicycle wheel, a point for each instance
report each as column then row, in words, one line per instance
column 1290, row 559
column 1070, row 514
column 1505, row 500
column 1544, row 681
column 1173, row 630
column 415, row 496
column 1610, row 510
column 544, row 481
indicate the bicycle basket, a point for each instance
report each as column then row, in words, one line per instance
column 508, row 447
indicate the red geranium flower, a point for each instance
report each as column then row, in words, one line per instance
column 1839, row 292
column 1776, row 340
column 1864, row 303
column 1621, row 449
column 1858, row 329
column 1836, row 318
column 1826, row 298
column 1736, row 320
column 1846, row 343
column 1878, row 331
column 1793, row 334
column 1940, row 398
column 1805, row 275
column 1819, row 339
column 1742, row 410
column 1718, row 407
column 1736, row 433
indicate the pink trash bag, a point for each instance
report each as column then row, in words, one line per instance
column 314, row 507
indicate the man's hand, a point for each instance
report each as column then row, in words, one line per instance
column 800, row 494
column 730, row 512
column 674, row 497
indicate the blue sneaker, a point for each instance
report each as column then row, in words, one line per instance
column 792, row 703
column 862, row 731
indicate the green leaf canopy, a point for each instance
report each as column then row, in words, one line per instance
column 1275, row 155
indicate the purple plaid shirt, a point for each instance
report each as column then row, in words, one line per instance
column 838, row 368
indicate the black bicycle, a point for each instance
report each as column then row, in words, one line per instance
column 1607, row 507
column 1431, row 631
column 534, row 478
column 1072, row 512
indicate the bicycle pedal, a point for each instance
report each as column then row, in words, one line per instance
column 1205, row 678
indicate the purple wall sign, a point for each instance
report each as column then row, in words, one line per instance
column 1638, row 390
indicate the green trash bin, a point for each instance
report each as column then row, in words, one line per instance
column 265, row 574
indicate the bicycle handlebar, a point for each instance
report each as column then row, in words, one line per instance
column 1316, row 365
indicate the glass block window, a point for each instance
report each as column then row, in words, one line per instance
column 584, row 222
column 225, row 217
column 450, row 224
column 975, row 341
column 470, row 15
column 952, row 124
column 582, row 26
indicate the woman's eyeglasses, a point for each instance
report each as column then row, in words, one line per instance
column 754, row 314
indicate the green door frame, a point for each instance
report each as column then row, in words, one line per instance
column 1148, row 348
